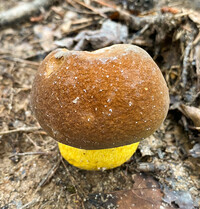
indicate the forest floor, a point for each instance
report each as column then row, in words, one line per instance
column 165, row 170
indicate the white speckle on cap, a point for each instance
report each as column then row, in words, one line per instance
column 75, row 100
column 104, row 60
column 130, row 103
column 110, row 110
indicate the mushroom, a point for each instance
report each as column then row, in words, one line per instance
column 99, row 105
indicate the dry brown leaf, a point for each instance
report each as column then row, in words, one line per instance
column 110, row 33
column 191, row 112
column 145, row 194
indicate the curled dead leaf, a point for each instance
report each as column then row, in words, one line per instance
column 195, row 17
column 145, row 194
column 191, row 112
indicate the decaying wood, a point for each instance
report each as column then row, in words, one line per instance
column 23, row 11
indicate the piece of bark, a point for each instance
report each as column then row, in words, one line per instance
column 23, row 11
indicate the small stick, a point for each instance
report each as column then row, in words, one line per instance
column 49, row 175
column 30, row 204
column 185, row 63
column 73, row 180
column 30, row 153
column 77, row 188
column 33, row 142
column 80, row 27
column 15, row 59
column 90, row 8
column 24, row 129
column 107, row 4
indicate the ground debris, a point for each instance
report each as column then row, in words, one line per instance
column 195, row 151
column 23, row 11
column 182, row 199
column 145, row 194
column 170, row 33
column 110, row 33
column 191, row 112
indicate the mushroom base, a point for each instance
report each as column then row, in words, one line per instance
column 101, row 159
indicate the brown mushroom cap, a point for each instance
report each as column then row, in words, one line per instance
column 95, row 100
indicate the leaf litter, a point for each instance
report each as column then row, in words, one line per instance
column 32, row 175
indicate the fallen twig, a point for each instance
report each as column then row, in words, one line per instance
column 23, row 11
column 197, row 59
column 78, row 189
column 186, row 63
column 49, row 175
column 75, row 29
column 30, row 204
column 23, row 129
column 15, row 59
column 31, row 153
column 90, row 8
column 106, row 4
